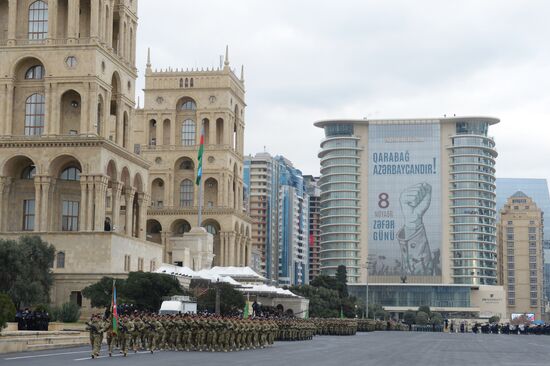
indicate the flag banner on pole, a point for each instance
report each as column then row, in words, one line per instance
column 246, row 312
column 114, row 309
column 201, row 152
column 341, row 313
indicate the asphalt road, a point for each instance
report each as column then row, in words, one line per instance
column 380, row 349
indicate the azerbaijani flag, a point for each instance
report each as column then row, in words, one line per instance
column 201, row 152
column 246, row 312
column 114, row 310
column 341, row 313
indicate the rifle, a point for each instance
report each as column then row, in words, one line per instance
column 92, row 327
column 151, row 326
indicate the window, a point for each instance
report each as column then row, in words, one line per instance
column 35, row 73
column 211, row 229
column 34, row 115
column 191, row 83
column 534, row 302
column 188, row 105
column 186, row 84
column 69, row 218
column 127, row 263
column 71, row 174
column 29, row 172
column 71, row 62
column 152, row 266
column 511, row 302
column 38, row 21
column 187, row 165
column 532, row 230
column 186, row 193
column 60, row 260
column 188, row 133
column 140, row 264
column 181, row 83
column 28, row 215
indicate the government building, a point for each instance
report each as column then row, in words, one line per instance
column 112, row 187
column 409, row 206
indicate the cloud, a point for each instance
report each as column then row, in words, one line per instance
column 307, row 60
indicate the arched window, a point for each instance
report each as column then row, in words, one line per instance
column 191, row 83
column 187, row 164
column 183, row 228
column 29, row 172
column 188, row 105
column 35, row 73
column 211, row 229
column 186, row 82
column 181, row 83
column 38, row 21
column 71, row 173
column 186, row 193
column 60, row 260
column 188, row 133
column 34, row 115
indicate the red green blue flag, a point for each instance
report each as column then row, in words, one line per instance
column 114, row 309
column 201, row 152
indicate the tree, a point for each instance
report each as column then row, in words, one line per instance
column 342, row 280
column 494, row 319
column 327, row 282
column 436, row 319
column 231, row 300
column 409, row 317
column 7, row 310
column 68, row 313
column 422, row 318
column 144, row 290
column 25, row 270
column 100, row 293
column 323, row 302
column 425, row 309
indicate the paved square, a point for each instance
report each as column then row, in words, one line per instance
column 365, row 349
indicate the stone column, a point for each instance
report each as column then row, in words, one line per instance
column 90, row 205
column 243, row 251
column 9, row 110
column 143, row 203
column 119, row 130
column 115, row 220
column 52, row 20
column 53, row 122
column 160, row 131
column 173, row 124
column 46, row 184
column 83, row 203
column 3, row 110
column 100, row 192
column 3, row 184
column 73, row 20
column 94, row 20
column 223, row 246
column 238, row 251
column 231, row 258
column 122, row 31
column 12, row 22
column 130, row 192
column 248, row 252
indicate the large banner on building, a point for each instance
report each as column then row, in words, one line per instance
column 404, row 203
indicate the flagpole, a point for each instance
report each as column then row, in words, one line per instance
column 199, row 176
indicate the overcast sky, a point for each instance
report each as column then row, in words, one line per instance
column 307, row 60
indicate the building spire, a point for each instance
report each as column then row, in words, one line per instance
column 148, row 58
column 226, row 63
column 242, row 73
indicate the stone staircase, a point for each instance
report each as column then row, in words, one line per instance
column 28, row 341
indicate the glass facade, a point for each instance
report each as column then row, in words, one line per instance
column 473, row 205
column 339, row 201
column 414, row 295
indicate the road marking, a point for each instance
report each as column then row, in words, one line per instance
column 46, row 355
column 107, row 356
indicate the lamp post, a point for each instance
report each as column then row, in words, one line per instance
column 367, row 264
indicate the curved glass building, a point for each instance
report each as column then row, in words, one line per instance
column 340, row 205
column 473, row 204
column 409, row 200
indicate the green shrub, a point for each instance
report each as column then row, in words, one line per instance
column 422, row 318
column 7, row 310
column 494, row 319
column 436, row 319
column 68, row 313
column 409, row 317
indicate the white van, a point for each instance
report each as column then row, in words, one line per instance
column 177, row 305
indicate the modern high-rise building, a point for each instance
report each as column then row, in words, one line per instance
column 278, row 206
column 537, row 189
column 412, row 200
column 262, row 181
column 314, row 192
column 293, row 225
column 520, row 259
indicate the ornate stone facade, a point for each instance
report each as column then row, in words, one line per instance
column 77, row 166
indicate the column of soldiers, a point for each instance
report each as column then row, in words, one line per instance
column 336, row 326
column 295, row 329
column 182, row 332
